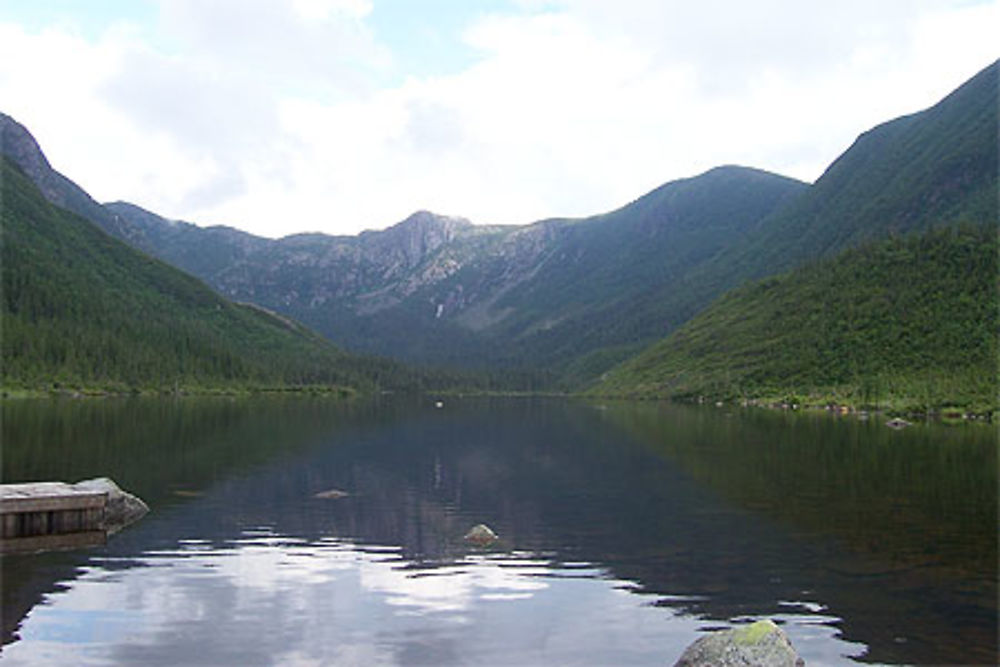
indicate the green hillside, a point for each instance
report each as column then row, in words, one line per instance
column 83, row 310
column 599, row 293
column 907, row 323
column 934, row 167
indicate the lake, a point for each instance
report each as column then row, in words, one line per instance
column 626, row 530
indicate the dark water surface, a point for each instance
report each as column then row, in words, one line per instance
column 626, row 530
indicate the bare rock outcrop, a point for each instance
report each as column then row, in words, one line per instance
column 762, row 644
column 122, row 507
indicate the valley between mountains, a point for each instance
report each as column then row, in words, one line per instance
column 875, row 285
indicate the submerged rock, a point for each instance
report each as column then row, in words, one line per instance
column 897, row 423
column 122, row 507
column 481, row 535
column 332, row 494
column 761, row 643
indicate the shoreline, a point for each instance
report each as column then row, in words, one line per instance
column 77, row 392
column 946, row 413
column 950, row 414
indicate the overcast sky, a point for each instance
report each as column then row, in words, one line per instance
column 342, row 115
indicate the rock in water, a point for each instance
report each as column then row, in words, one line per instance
column 762, row 643
column 481, row 535
column 122, row 507
column 332, row 494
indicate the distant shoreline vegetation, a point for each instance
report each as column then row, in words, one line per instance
column 60, row 390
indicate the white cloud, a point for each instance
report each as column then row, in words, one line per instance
column 322, row 9
column 281, row 117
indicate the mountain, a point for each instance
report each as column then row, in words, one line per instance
column 340, row 285
column 17, row 144
column 593, row 287
column 938, row 166
column 81, row 309
column 572, row 298
column 931, row 168
column 577, row 296
column 441, row 290
column 926, row 332
column 909, row 322
column 563, row 296
column 197, row 250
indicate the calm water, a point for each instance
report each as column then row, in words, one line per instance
column 626, row 530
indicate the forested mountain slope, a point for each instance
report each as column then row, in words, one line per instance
column 82, row 309
column 938, row 166
column 931, row 168
column 909, row 322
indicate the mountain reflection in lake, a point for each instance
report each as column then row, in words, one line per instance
column 625, row 531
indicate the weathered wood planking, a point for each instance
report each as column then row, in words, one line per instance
column 48, row 508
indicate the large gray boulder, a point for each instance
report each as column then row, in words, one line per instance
column 763, row 644
column 122, row 507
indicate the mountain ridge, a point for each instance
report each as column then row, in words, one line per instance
column 576, row 296
column 473, row 279
column 18, row 144
column 930, row 167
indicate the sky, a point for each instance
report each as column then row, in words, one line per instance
column 336, row 116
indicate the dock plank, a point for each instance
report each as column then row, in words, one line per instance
column 47, row 497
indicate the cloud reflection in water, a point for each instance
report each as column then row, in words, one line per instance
column 280, row 600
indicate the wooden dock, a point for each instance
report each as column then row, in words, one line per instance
column 38, row 514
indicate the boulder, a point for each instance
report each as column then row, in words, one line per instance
column 762, row 643
column 122, row 507
column 481, row 535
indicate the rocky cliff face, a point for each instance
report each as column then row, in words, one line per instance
column 405, row 245
column 363, row 273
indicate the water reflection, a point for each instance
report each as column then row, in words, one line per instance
column 908, row 519
column 333, row 602
column 623, row 532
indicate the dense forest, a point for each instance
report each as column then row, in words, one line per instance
column 908, row 323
